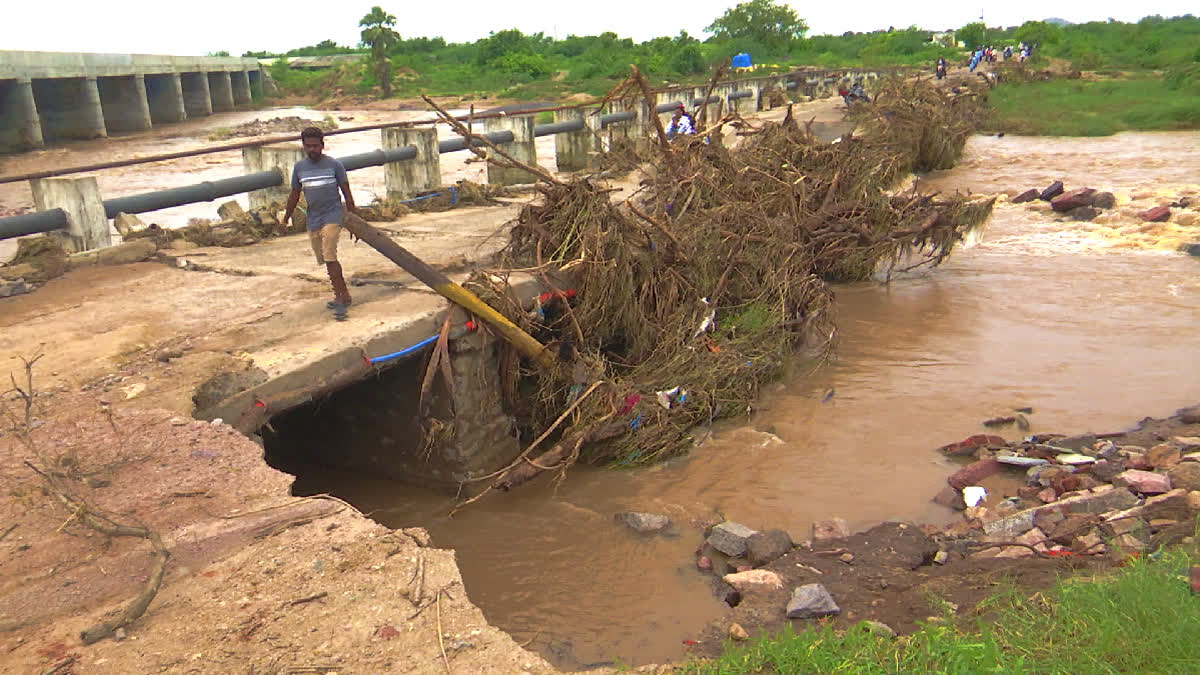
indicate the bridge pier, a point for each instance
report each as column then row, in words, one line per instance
column 255, row 78
column 80, row 199
column 281, row 158
column 165, row 94
column 20, row 125
column 522, row 149
column 576, row 150
column 69, row 108
column 197, row 101
column 123, row 102
column 240, row 82
column 632, row 131
column 221, row 88
column 403, row 180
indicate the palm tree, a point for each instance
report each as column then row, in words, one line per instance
column 379, row 36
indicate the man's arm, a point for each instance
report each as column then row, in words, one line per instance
column 349, row 198
column 293, row 200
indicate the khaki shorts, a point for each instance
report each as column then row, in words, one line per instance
column 324, row 242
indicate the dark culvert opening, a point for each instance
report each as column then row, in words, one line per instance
column 372, row 426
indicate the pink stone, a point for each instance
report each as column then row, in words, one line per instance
column 1157, row 214
column 1145, row 482
column 753, row 580
column 973, row 473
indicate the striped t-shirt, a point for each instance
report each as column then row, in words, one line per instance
column 320, row 181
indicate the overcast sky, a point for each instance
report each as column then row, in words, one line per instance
column 166, row 27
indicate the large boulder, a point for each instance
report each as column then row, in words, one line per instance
column 1083, row 213
column 1104, row 200
column 764, row 547
column 1143, row 482
column 1158, row 214
column 730, row 538
column 811, row 601
column 1026, row 196
column 973, row 473
column 1053, row 190
column 1185, row 475
column 1072, row 200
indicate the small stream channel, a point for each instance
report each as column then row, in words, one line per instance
column 1093, row 325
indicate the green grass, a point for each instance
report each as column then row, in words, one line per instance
column 1141, row 619
column 1093, row 108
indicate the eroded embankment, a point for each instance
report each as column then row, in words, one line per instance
column 256, row 579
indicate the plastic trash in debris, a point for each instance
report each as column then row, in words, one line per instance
column 1075, row 459
column 707, row 323
column 668, row 398
column 974, row 494
column 1018, row 460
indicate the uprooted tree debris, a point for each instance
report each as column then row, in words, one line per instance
column 673, row 307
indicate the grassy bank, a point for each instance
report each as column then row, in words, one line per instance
column 1143, row 618
column 1093, row 107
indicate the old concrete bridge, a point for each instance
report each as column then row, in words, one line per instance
column 49, row 96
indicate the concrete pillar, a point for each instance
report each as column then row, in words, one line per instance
column 255, row 78
column 424, row 172
column 20, row 124
column 281, row 158
column 742, row 106
column 240, row 83
column 633, row 131
column 221, row 89
column 197, row 100
column 165, row 94
column 123, row 100
column 577, row 150
column 522, row 148
column 80, row 199
column 69, row 107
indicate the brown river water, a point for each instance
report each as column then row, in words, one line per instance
column 1093, row 325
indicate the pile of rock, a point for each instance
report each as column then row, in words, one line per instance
column 1082, row 204
column 1082, row 495
column 1087, row 203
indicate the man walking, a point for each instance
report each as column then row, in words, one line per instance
column 321, row 177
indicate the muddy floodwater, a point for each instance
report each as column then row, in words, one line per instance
column 1093, row 325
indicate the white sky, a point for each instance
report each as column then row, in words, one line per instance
column 166, row 27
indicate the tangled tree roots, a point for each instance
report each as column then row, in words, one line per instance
column 707, row 283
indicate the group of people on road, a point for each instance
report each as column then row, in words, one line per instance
column 987, row 54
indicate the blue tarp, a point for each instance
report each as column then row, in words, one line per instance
column 741, row 61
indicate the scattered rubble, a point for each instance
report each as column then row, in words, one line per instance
column 275, row 125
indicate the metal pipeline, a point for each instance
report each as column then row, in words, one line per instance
column 200, row 192
column 558, row 127
column 32, row 223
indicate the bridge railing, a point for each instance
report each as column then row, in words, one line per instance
column 75, row 205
